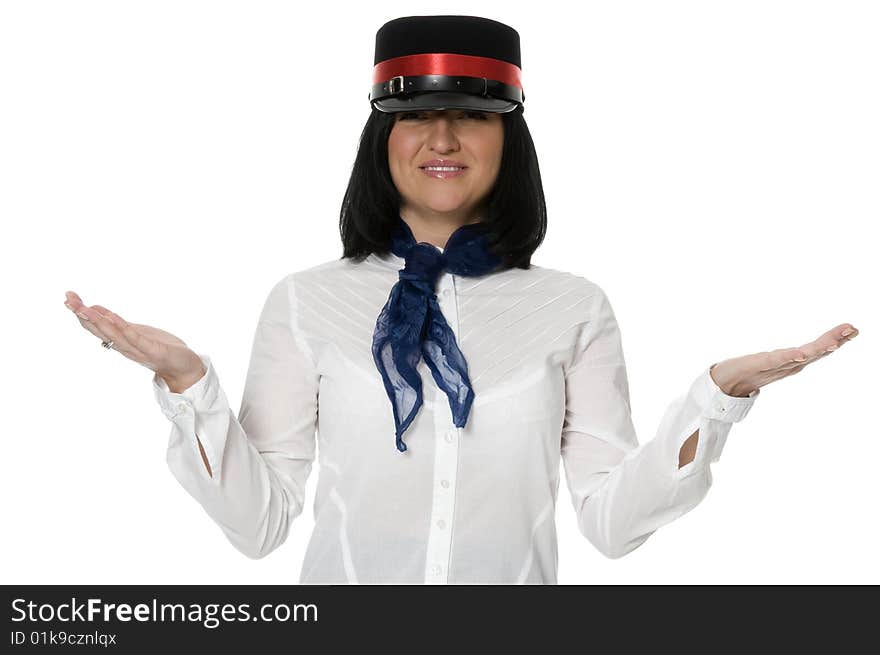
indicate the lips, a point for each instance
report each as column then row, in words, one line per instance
column 443, row 173
column 442, row 163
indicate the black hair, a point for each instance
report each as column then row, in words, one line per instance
column 516, row 216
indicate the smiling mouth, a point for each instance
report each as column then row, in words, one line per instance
column 443, row 172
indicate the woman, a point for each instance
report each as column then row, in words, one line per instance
column 456, row 481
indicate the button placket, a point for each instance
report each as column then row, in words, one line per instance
column 445, row 461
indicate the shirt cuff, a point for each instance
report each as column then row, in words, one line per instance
column 199, row 396
column 199, row 411
column 714, row 413
column 718, row 405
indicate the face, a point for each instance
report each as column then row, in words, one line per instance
column 469, row 138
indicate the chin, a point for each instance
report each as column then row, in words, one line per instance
column 445, row 206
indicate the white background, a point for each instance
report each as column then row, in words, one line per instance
column 712, row 165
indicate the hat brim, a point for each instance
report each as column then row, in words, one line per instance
column 428, row 100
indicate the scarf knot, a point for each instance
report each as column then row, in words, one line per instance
column 423, row 263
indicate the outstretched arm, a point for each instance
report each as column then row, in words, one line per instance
column 249, row 472
column 622, row 491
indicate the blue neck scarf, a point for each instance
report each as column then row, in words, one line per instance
column 411, row 324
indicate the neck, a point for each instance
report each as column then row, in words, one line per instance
column 435, row 229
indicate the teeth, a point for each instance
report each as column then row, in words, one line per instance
column 443, row 168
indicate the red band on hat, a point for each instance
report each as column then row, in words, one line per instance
column 448, row 64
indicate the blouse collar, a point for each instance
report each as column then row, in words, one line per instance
column 390, row 259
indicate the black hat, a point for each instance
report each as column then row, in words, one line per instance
column 446, row 62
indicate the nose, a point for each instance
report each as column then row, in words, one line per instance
column 442, row 137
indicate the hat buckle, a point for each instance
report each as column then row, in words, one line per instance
column 391, row 83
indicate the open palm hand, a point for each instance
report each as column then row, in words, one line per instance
column 740, row 376
column 155, row 349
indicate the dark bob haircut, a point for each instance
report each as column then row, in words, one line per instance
column 516, row 217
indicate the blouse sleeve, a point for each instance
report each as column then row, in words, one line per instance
column 260, row 460
column 623, row 492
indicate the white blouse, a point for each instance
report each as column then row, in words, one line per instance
column 461, row 505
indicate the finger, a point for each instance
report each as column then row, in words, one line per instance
column 795, row 367
column 795, row 359
column 73, row 302
column 829, row 342
column 138, row 342
column 74, row 299
column 817, row 351
column 846, row 334
column 106, row 325
column 798, row 368
column 836, row 336
column 113, row 315
column 815, row 355
column 801, row 367
column 87, row 320
column 837, row 333
column 782, row 358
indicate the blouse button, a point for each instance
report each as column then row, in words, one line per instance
column 181, row 407
column 441, row 524
column 436, row 569
column 444, row 484
column 450, row 436
column 445, row 292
